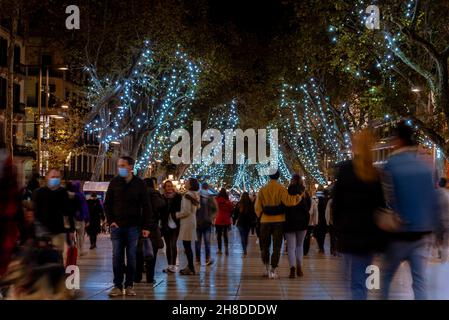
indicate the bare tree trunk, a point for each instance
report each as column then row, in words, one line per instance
column 9, row 116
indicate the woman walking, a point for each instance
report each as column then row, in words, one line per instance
column 295, row 227
column 246, row 219
column 170, row 224
column 223, row 220
column 187, row 215
column 96, row 215
column 356, row 195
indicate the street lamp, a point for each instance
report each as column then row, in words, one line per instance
column 416, row 89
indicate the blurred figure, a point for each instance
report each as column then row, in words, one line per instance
column 410, row 192
column 9, row 210
column 129, row 214
column 270, row 209
column 321, row 228
column 32, row 185
column 313, row 221
column 80, row 208
column 54, row 216
column 295, row 227
column 223, row 220
column 245, row 219
column 187, row 215
column 357, row 194
column 170, row 224
column 96, row 216
column 157, row 205
column 443, row 239
column 204, row 219
column 330, row 222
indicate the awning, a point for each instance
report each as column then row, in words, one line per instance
column 91, row 186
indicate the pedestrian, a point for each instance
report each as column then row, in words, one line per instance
column 170, row 224
column 270, row 208
column 321, row 228
column 96, row 216
column 80, row 208
column 187, row 215
column 223, row 220
column 442, row 240
column 357, row 194
column 129, row 214
column 158, row 206
column 313, row 221
column 331, row 226
column 53, row 213
column 32, row 185
column 204, row 220
column 295, row 226
column 246, row 219
column 410, row 192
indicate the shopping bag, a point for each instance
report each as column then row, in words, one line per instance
column 72, row 255
column 438, row 275
column 148, row 252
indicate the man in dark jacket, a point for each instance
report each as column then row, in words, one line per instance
column 128, row 211
column 53, row 213
column 204, row 218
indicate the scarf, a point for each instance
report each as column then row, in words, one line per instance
column 170, row 195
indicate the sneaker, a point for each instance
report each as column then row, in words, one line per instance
column 115, row 292
column 172, row 269
column 292, row 273
column 299, row 272
column 130, row 292
column 187, row 272
column 273, row 274
column 209, row 262
column 266, row 272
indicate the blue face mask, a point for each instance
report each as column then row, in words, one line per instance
column 123, row 172
column 54, row 182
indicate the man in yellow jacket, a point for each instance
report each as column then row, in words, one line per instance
column 269, row 208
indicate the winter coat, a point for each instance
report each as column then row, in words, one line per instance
column 225, row 208
column 172, row 205
column 297, row 217
column 206, row 212
column 354, row 203
column 96, row 214
column 247, row 218
column 187, row 216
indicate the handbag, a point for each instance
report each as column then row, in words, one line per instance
column 148, row 252
column 387, row 220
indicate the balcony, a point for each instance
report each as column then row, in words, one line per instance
column 23, row 151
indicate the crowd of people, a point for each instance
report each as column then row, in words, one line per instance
column 395, row 213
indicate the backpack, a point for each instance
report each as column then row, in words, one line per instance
column 204, row 214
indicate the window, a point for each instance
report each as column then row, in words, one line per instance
column 3, row 51
column 16, row 56
column 46, row 60
column 3, row 93
column 16, row 98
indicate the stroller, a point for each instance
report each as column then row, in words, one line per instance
column 35, row 273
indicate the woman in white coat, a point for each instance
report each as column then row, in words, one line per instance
column 187, row 215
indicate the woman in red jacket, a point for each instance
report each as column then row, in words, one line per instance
column 223, row 219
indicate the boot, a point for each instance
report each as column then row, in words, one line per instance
column 299, row 272
column 292, row 273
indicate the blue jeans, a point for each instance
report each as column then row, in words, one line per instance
column 295, row 243
column 415, row 252
column 244, row 233
column 203, row 233
column 124, row 239
column 356, row 264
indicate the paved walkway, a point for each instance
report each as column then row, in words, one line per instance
column 230, row 277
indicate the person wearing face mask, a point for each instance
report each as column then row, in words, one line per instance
column 129, row 214
column 53, row 214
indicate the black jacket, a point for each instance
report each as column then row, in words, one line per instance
column 354, row 203
column 51, row 207
column 245, row 219
column 96, row 214
column 172, row 205
column 128, row 204
column 297, row 217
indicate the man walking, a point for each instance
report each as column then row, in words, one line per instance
column 410, row 192
column 269, row 208
column 204, row 218
column 129, row 213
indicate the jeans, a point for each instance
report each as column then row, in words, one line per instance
column 189, row 253
column 80, row 229
column 93, row 239
column 222, row 231
column 295, row 242
column 124, row 238
column 267, row 231
column 171, row 250
column 203, row 233
column 244, row 234
column 356, row 264
column 415, row 252
column 307, row 239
